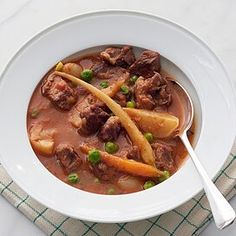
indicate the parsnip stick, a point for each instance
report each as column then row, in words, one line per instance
column 135, row 135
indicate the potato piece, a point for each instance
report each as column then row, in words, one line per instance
column 130, row 183
column 74, row 118
column 43, row 146
column 161, row 125
column 72, row 69
column 42, row 140
column 135, row 135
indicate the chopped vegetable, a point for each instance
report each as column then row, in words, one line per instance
column 148, row 184
column 73, row 178
column 130, row 183
column 96, row 180
column 130, row 104
column 111, row 147
column 94, row 156
column 42, row 139
column 135, row 135
column 165, row 175
column 43, row 146
column 86, row 75
column 104, row 84
column 35, row 113
column 124, row 89
column 111, row 191
column 72, row 69
column 133, row 79
column 126, row 165
column 59, row 66
column 113, row 89
column 161, row 125
column 74, row 118
column 149, row 137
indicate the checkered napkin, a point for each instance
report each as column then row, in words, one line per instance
column 188, row 219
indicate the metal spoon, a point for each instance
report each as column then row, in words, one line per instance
column 222, row 212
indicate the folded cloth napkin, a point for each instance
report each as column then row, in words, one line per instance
column 189, row 219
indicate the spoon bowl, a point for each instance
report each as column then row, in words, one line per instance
column 222, row 212
column 187, row 121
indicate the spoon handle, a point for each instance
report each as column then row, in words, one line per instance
column 222, row 212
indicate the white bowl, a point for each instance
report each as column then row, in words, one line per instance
column 192, row 56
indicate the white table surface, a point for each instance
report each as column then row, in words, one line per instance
column 214, row 21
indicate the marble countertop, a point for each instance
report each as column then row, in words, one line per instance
column 214, row 21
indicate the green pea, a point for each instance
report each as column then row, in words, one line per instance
column 111, row 147
column 131, row 104
column 165, row 176
column 148, row 184
column 104, row 84
column 86, row 75
column 35, row 113
column 149, row 137
column 124, row 89
column 111, row 191
column 133, row 79
column 73, row 178
column 94, row 156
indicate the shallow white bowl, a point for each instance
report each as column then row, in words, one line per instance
column 216, row 109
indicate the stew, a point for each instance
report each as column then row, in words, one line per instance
column 106, row 122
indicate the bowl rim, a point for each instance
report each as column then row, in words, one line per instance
column 135, row 13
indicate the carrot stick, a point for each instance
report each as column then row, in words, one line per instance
column 135, row 135
column 113, row 89
column 125, row 165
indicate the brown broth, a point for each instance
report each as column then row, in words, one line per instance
column 66, row 133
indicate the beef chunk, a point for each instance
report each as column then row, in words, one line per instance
column 92, row 118
column 111, row 129
column 91, row 100
column 133, row 153
column 123, row 57
column 105, row 72
column 152, row 92
column 100, row 68
column 68, row 158
column 147, row 64
column 103, row 172
column 121, row 99
column 59, row 92
column 164, row 157
column 142, row 95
